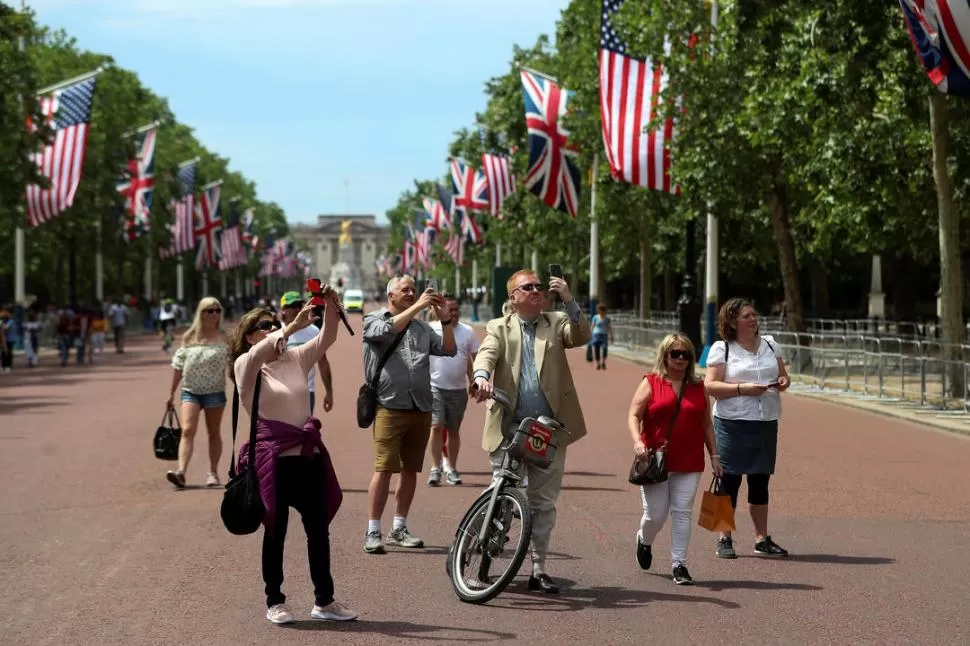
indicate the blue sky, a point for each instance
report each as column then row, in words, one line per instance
column 330, row 106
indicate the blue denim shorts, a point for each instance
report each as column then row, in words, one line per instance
column 209, row 400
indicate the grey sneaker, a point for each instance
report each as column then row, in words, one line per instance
column 177, row 478
column 434, row 477
column 403, row 538
column 725, row 548
column 336, row 611
column 373, row 543
column 454, row 478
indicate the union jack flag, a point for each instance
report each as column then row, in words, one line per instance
column 472, row 232
column 499, row 180
column 470, row 186
column 138, row 187
column 247, row 227
column 68, row 113
column 553, row 174
column 630, row 91
column 437, row 217
column 208, row 223
column 183, row 208
column 947, row 59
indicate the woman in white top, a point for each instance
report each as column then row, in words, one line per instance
column 745, row 374
column 200, row 365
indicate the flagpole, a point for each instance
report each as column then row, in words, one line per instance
column 98, row 263
column 72, row 81
column 20, row 282
column 144, row 128
column 148, row 276
column 594, row 238
column 538, row 73
column 712, row 257
column 179, row 280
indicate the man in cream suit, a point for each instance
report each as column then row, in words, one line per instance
column 524, row 354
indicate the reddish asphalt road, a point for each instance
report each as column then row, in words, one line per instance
column 96, row 547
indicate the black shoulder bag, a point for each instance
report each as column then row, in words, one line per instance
column 242, row 506
column 367, row 395
column 651, row 468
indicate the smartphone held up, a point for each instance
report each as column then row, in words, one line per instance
column 314, row 287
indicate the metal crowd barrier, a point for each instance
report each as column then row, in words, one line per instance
column 892, row 369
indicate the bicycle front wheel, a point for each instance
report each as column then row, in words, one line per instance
column 488, row 552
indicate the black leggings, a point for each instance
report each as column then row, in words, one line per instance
column 299, row 484
column 757, row 487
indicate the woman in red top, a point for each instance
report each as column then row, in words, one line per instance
column 654, row 405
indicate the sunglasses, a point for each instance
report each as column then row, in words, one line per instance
column 530, row 287
column 680, row 354
column 213, row 310
column 266, row 326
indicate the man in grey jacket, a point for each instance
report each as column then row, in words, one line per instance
column 403, row 422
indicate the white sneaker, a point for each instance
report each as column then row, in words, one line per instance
column 212, row 480
column 279, row 614
column 336, row 611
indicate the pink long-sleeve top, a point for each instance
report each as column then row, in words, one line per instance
column 283, row 395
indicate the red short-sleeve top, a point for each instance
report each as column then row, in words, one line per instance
column 685, row 450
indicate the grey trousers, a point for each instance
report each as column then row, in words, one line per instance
column 543, row 494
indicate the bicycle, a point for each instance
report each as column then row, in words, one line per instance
column 485, row 528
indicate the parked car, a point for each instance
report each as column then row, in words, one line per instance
column 353, row 300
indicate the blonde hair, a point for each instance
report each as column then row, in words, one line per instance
column 669, row 341
column 192, row 335
column 514, row 278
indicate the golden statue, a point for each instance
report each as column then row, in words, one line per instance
column 345, row 232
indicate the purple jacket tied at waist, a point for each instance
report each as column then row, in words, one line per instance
column 274, row 437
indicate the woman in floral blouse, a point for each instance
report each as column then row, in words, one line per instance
column 200, row 365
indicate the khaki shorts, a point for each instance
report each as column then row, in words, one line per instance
column 400, row 439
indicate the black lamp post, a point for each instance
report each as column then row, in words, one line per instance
column 689, row 306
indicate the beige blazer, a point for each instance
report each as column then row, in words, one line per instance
column 501, row 352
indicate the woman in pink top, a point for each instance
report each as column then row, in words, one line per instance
column 292, row 463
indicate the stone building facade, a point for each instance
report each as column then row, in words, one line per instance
column 354, row 259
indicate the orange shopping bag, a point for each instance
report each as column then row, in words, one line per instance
column 717, row 514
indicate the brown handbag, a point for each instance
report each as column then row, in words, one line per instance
column 651, row 468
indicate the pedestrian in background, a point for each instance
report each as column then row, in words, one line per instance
column 602, row 336
column 200, row 366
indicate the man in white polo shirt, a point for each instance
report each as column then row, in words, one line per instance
column 290, row 305
column 451, row 379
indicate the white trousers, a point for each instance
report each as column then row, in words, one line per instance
column 543, row 494
column 676, row 498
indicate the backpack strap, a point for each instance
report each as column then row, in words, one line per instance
column 375, row 379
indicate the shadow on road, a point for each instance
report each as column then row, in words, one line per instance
column 572, row 597
column 12, row 406
column 406, row 630
column 839, row 559
column 717, row 586
column 589, row 474
column 582, row 488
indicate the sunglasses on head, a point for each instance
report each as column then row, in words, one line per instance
column 213, row 310
column 531, row 287
column 680, row 354
column 266, row 326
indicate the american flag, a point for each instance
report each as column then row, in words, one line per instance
column 438, row 217
column 946, row 60
column 499, row 181
column 553, row 174
column 68, row 113
column 207, row 223
column 630, row 90
column 233, row 251
column 455, row 247
column 138, row 186
column 470, row 186
column 183, row 209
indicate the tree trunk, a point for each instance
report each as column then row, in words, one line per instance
column 950, row 276
column 781, row 225
column 646, row 267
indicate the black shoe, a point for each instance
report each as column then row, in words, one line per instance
column 543, row 583
column 681, row 576
column 767, row 547
column 725, row 548
column 644, row 554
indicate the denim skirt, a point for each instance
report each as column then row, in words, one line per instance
column 746, row 446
